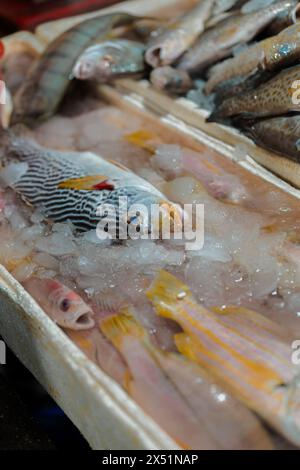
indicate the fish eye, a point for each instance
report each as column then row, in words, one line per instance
column 65, row 305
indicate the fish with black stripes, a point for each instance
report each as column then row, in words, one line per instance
column 82, row 187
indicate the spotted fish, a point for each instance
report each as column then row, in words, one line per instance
column 82, row 187
column 218, row 42
column 269, row 54
column 277, row 96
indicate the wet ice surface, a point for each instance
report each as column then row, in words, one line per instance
column 250, row 255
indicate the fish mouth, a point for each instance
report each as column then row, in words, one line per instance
column 153, row 56
column 83, row 320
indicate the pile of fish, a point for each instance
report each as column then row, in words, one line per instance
column 238, row 58
column 201, row 339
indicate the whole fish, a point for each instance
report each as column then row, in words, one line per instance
column 83, row 188
column 219, row 41
column 275, row 97
column 48, row 79
column 64, row 306
column 173, row 391
column 270, row 54
column 279, row 134
column 171, row 80
column 110, row 59
column 251, row 360
column 177, row 37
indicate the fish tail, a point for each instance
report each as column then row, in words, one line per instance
column 167, row 289
column 142, row 139
column 116, row 327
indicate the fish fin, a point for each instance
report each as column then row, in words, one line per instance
column 115, row 327
column 167, row 288
column 186, row 346
column 87, row 183
column 142, row 139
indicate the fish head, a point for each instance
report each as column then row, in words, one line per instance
column 84, row 68
column 69, row 309
column 64, row 306
column 150, row 213
column 100, row 62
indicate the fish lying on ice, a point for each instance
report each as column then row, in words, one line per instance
column 173, row 161
column 269, row 54
column 48, row 79
column 218, row 42
column 171, row 80
column 174, row 393
column 64, row 306
column 177, row 37
column 110, row 59
column 251, row 361
column 279, row 134
column 83, row 188
column 277, row 96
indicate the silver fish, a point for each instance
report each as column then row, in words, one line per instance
column 110, row 59
column 177, row 37
column 218, row 42
column 269, row 54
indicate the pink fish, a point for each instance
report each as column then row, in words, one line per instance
column 240, row 349
column 64, row 306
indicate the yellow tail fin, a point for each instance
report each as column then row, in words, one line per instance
column 167, row 288
column 142, row 139
column 117, row 326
